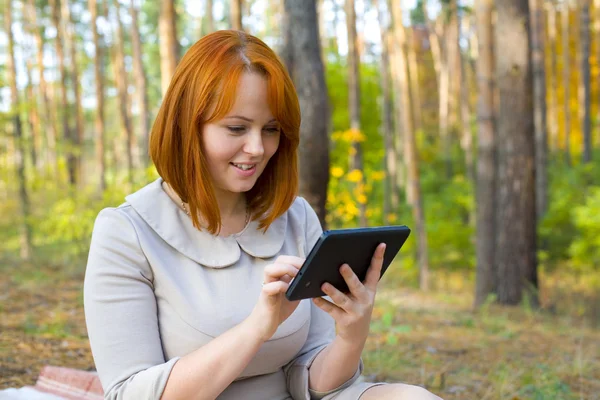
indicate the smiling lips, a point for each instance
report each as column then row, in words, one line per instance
column 244, row 167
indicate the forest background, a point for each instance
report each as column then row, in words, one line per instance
column 475, row 123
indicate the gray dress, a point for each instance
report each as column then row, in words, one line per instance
column 156, row 289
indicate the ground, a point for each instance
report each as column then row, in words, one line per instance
column 431, row 339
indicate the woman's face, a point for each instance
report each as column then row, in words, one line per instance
column 239, row 146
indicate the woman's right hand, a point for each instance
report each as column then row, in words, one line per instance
column 272, row 307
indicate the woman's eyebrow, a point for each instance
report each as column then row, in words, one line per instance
column 247, row 119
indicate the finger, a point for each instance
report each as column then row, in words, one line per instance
column 330, row 308
column 339, row 298
column 286, row 278
column 275, row 288
column 356, row 287
column 274, row 272
column 374, row 272
column 291, row 260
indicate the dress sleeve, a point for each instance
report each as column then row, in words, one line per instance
column 320, row 334
column 121, row 312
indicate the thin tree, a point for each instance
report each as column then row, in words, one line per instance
column 118, row 55
column 515, row 217
column 434, row 42
column 553, row 75
column 168, row 45
column 539, row 101
column 235, row 13
column 597, row 23
column 413, row 72
column 466, row 140
column 48, row 120
column 453, row 58
column 140, row 84
column 33, row 122
column 410, row 146
column 391, row 190
column 11, row 71
column 303, row 58
column 356, row 162
column 486, row 154
column 100, row 133
column 566, row 49
column 444, row 105
column 77, row 135
column 64, row 102
column 210, row 21
column 585, row 81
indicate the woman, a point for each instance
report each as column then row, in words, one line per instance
column 184, row 287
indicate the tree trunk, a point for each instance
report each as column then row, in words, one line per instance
column 77, row 136
column 466, row 140
column 434, row 42
column 100, row 133
column 140, row 83
column 64, row 102
column 486, row 155
column 553, row 76
column 390, row 201
column 354, row 107
column 398, row 131
column 597, row 23
column 566, row 48
column 33, row 120
column 168, row 45
column 122, row 85
column 48, row 122
column 515, row 218
column 307, row 71
column 585, row 81
column 410, row 147
column 210, row 21
column 539, row 102
column 236, row 15
column 413, row 68
column 453, row 56
column 444, row 108
column 11, row 71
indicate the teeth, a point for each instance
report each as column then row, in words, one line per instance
column 244, row 167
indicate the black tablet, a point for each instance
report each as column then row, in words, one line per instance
column 354, row 247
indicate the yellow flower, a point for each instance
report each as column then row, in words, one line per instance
column 337, row 172
column 378, row 175
column 392, row 217
column 362, row 199
column 354, row 176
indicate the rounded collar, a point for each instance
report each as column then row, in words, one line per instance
column 157, row 209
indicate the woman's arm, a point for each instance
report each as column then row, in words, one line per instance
column 207, row 371
column 335, row 365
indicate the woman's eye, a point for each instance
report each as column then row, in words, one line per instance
column 236, row 129
column 272, row 130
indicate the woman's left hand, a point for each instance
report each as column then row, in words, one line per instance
column 352, row 311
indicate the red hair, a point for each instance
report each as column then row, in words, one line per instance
column 203, row 90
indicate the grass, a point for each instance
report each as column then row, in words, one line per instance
column 431, row 339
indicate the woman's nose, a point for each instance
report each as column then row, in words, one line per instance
column 254, row 144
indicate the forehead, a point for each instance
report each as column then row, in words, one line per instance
column 251, row 96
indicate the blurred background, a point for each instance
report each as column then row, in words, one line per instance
column 476, row 123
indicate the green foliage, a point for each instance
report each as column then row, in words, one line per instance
column 567, row 232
